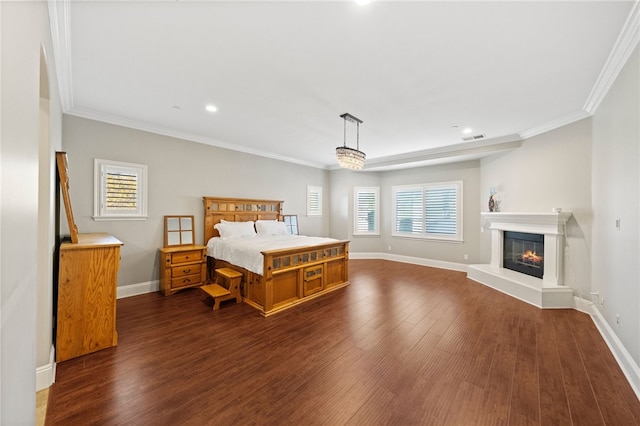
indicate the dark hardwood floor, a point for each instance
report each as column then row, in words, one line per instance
column 402, row 345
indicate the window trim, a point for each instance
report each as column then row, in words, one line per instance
column 311, row 190
column 458, row 237
column 100, row 212
column 368, row 189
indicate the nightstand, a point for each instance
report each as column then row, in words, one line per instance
column 182, row 267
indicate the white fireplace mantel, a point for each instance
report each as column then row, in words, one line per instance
column 545, row 292
column 534, row 223
column 551, row 225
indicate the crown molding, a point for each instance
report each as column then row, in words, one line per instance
column 554, row 124
column 145, row 127
column 444, row 155
column 59, row 16
column 59, row 21
column 622, row 49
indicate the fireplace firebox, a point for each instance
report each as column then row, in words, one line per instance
column 524, row 252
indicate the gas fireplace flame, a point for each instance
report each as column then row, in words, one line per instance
column 531, row 256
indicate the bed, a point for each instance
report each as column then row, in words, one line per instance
column 280, row 277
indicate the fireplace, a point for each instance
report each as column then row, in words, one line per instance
column 527, row 253
column 524, row 252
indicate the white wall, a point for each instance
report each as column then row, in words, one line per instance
column 343, row 183
column 591, row 168
column 50, row 132
column 549, row 170
column 469, row 173
column 24, row 32
column 616, row 195
column 180, row 173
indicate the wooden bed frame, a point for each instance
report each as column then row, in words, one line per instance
column 291, row 276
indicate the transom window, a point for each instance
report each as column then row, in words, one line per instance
column 432, row 211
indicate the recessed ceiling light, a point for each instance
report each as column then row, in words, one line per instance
column 363, row 2
column 176, row 107
column 211, row 108
column 467, row 131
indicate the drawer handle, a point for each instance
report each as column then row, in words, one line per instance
column 186, row 257
column 186, row 271
column 187, row 280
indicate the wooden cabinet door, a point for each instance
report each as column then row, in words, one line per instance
column 312, row 280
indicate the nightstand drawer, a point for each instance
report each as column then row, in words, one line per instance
column 187, row 256
column 181, row 271
column 187, row 280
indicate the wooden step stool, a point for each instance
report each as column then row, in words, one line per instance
column 230, row 288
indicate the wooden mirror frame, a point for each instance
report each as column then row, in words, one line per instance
column 179, row 231
column 63, row 174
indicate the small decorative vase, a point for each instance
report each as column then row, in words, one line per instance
column 492, row 203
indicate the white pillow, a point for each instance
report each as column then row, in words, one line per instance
column 236, row 229
column 271, row 227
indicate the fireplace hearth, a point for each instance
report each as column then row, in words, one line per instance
column 524, row 252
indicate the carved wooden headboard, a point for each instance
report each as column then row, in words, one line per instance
column 237, row 210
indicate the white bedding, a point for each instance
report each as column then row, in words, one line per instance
column 247, row 251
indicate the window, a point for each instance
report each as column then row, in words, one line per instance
column 431, row 211
column 314, row 201
column 366, row 211
column 120, row 190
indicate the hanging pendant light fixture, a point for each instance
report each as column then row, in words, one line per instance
column 350, row 158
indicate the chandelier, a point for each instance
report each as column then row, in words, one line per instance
column 350, row 158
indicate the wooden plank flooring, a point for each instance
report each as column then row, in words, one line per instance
column 402, row 345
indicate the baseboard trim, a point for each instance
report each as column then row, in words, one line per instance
column 46, row 374
column 137, row 289
column 412, row 260
column 628, row 366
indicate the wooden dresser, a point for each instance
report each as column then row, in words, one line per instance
column 182, row 267
column 87, row 281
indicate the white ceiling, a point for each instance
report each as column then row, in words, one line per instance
column 282, row 72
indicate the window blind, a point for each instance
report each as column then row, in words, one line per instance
column 314, row 201
column 366, row 211
column 441, row 211
column 122, row 191
column 428, row 211
column 409, row 207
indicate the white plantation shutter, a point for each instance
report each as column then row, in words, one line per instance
column 120, row 190
column 431, row 211
column 366, row 211
column 314, row 201
column 441, row 211
column 409, row 208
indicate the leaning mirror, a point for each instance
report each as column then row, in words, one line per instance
column 178, row 231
